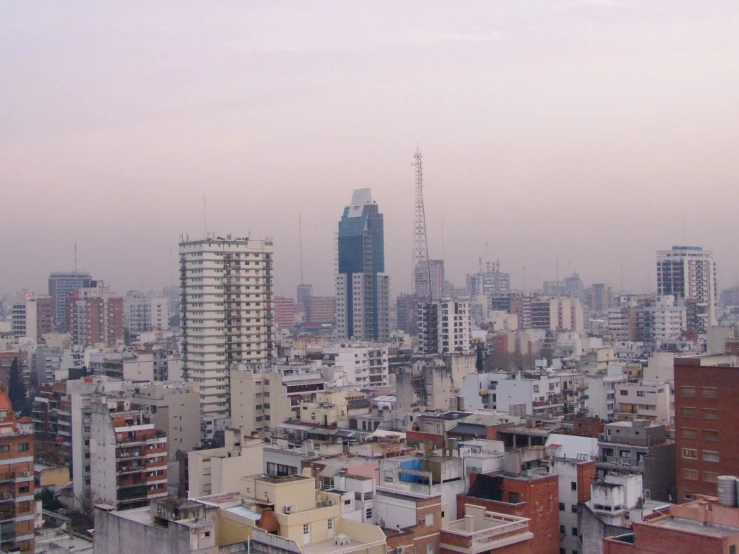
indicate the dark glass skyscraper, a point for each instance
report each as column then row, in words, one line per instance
column 362, row 288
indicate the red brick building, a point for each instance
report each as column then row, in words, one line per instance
column 535, row 498
column 284, row 312
column 95, row 316
column 706, row 420
column 698, row 527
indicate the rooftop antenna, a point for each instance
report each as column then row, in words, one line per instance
column 421, row 266
column 205, row 219
column 300, row 245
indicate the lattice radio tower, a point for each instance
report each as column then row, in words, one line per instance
column 421, row 266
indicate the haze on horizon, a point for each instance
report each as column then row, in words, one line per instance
column 592, row 131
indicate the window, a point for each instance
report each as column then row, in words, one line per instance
column 574, row 531
column 641, row 393
column 687, row 392
column 688, row 412
column 690, row 474
column 574, row 509
column 207, row 533
column 306, row 528
column 573, row 485
column 689, row 433
column 368, row 513
column 22, row 447
column 561, row 506
column 623, row 392
column 710, row 435
column 513, row 498
column 709, row 392
column 709, row 456
column 24, row 488
column 4, row 447
column 710, row 477
column 690, row 453
column 330, row 523
column 710, row 414
column 430, row 548
column 732, row 549
column 562, row 530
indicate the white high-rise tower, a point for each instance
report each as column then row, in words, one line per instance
column 226, row 316
column 689, row 272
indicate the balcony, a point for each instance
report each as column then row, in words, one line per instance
column 486, row 532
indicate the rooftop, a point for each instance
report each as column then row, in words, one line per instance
column 692, row 526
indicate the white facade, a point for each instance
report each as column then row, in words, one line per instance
column 226, row 317
column 159, row 311
column 361, row 304
column 644, row 401
column 690, row 272
column 136, row 311
column 445, row 327
column 601, row 395
column 504, row 392
column 363, row 364
column 668, row 319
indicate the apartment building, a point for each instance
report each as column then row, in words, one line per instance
column 444, row 327
column 265, row 396
column 646, row 401
column 128, row 456
column 17, row 504
column 320, row 310
column 537, row 394
column 363, row 363
column 284, row 312
column 706, row 418
column 62, row 284
column 227, row 317
column 95, row 316
column 32, row 316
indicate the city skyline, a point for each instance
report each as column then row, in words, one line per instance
column 532, row 144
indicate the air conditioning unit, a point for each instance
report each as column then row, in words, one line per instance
column 399, row 550
column 289, row 509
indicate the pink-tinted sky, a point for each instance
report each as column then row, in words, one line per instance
column 596, row 131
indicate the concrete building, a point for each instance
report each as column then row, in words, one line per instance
column 557, row 314
column 95, row 316
column 433, row 382
column 264, row 397
column 284, row 312
column 220, row 470
column 226, row 317
column 600, row 399
column 411, row 522
column 616, row 503
column 531, row 496
column 530, row 393
column 646, row 401
column 17, row 504
column 489, row 282
column 639, row 447
column 136, row 312
column 703, row 525
column 62, row 284
column 362, row 288
column 128, row 456
column 320, row 310
column 689, row 272
column 660, row 321
column 575, row 476
column 444, row 327
column 706, row 417
column 31, row 317
column 175, row 410
column 363, row 363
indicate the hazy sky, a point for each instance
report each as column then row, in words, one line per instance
column 596, row 131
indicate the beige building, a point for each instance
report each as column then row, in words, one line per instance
column 263, row 397
column 175, row 409
column 219, row 470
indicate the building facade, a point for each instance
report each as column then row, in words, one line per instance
column 95, row 316
column 226, row 317
column 362, row 288
column 689, row 272
column 444, row 327
column 62, row 284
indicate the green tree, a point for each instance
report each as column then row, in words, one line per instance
column 17, row 390
column 480, row 361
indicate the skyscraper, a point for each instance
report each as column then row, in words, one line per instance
column 62, row 284
column 689, row 272
column 226, row 317
column 362, row 288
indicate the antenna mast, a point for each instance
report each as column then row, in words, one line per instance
column 300, row 245
column 421, row 265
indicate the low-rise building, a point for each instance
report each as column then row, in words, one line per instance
column 481, row 530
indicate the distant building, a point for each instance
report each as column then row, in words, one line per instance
column 444, row 327
column 61, row 285
column 31, row 316
column 489, row 282
column 362, row 287
column 284, row 312
column 730, row 296
column 95, row 316
column 304, row 293
column 320, row 310
column 689, row 272
column 436, row 273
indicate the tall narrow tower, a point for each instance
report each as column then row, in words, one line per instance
column 421, row 266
